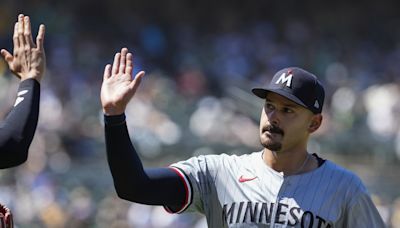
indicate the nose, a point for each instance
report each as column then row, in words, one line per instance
column 273, row 117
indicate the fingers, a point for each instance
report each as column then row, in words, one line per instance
column 23, row 33
column 122, row 63
column 107, row 72
column 136, row 82
column 20, row 30
column 129, row 64
column 6, row 55
column 15, row 36
column 115, row 66
column 28, row 32
column 40, row 37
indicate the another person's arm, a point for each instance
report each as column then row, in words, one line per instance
column 160, row 186
column 28, row 63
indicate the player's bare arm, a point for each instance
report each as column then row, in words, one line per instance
column 28, row 59
column 118, row 85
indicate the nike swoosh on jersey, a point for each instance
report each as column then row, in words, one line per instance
column 244, row 179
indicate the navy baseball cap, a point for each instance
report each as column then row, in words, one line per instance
column 297, row 85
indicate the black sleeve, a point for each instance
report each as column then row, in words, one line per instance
column 159, row 186
column 18, row 128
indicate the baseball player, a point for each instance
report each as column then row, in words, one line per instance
column 28, row 63
column 284, row 185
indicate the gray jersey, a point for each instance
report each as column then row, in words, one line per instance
column 242, row 191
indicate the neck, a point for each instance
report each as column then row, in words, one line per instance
column 290, row 162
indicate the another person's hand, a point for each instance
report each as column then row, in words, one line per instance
column 28, row 59
column 6, row 219
column 118, row 85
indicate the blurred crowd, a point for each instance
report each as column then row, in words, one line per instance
column 201, row 60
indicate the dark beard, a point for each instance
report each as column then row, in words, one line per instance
column 272, row 146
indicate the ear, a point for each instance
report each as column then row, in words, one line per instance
column 315, row 123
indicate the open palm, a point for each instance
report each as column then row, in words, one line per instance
column 118, row 86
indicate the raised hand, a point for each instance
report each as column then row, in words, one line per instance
column 118, row 86
column 28, row 59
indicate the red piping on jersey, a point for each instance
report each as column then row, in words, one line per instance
column 186, row 190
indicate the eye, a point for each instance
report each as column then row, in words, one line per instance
column 269, row 106
column 288, row 110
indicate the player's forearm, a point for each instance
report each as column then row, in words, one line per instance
column 132, row 182
column 18, row 128
column 123, row 160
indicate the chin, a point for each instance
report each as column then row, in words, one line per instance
column 274, row 147
column 270, row 145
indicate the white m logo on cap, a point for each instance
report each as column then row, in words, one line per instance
column 283, row 78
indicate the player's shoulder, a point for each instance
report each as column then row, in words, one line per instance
column 334, row 167
column 240, row 158
column 231, row 157
column 350, row 179
column 226, row 160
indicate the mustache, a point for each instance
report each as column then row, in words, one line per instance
column 274, row 129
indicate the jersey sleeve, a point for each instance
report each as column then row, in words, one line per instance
column 362, row 211
column 133, row 182
column 19, row 126
column 198, row 174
